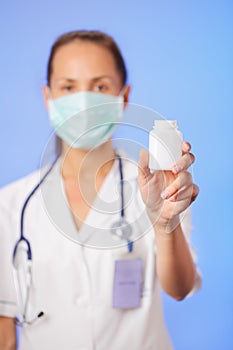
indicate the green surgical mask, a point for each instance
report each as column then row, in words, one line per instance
column 85, row 119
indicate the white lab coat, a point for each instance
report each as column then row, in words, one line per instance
column 72, row 283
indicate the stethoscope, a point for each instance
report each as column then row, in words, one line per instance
column 121, row 229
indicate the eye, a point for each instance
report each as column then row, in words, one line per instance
column 67, row 88
column 100, row 88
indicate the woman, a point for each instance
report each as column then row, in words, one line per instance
column 77, row 298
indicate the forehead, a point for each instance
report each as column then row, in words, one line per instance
column 83, row 59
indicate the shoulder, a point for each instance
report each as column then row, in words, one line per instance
column 14, row 193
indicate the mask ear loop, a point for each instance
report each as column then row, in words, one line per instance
column 122, row 91
column 49, row 92
column 121, row 94
column 50, row 101
column 50, row 97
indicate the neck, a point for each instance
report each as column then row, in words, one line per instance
column 87, row 163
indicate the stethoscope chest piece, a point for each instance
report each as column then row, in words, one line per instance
column 122, row 229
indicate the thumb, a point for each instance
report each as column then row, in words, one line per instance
column 144, row 174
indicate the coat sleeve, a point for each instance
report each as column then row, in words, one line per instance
column 187, row 228
column 186, row 224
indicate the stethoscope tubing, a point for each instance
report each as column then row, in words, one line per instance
column 22, row 237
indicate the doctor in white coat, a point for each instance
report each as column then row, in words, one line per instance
column 80, row 297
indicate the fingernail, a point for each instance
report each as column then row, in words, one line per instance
column 165, row 194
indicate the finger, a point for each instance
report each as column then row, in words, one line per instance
column 154, row 187
column 186, row 147
column 184, row 193
column 144, row 174
column 143, row 159
column 196, row 191
column 183, row 180
column 184, row 163
column 188, row 194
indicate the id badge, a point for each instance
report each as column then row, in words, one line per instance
column 127, row 285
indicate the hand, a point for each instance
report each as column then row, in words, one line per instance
column 166, row 194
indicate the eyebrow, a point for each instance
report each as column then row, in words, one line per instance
column 93, row 79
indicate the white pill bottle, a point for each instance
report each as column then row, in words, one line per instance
column 165, row 145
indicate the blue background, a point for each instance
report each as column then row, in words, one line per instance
column 179, row 56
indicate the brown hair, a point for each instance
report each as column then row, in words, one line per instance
column 96, row 37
